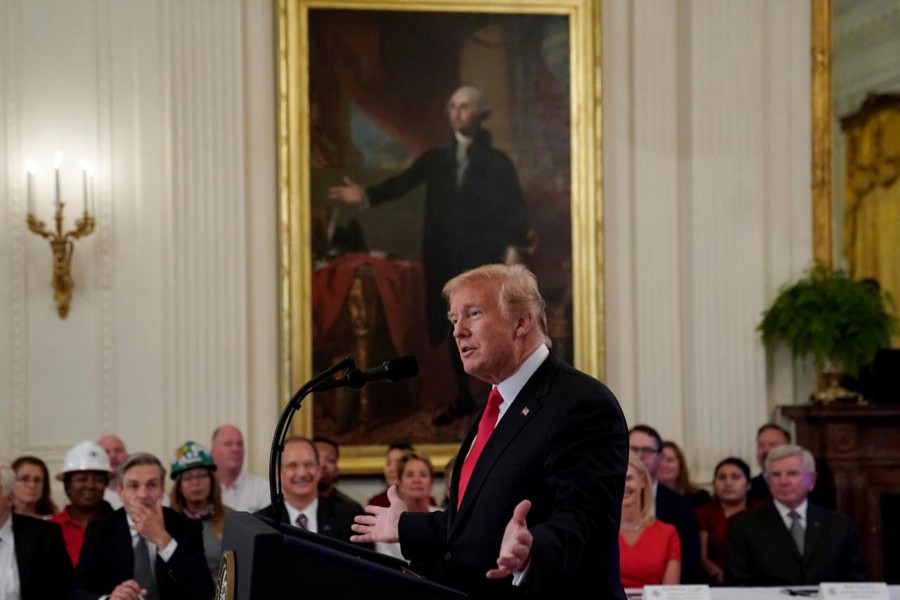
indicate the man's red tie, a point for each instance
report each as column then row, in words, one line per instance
column 485, row 429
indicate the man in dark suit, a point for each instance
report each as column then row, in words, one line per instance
column 142, row 549
column 474, row 214
column 537, row 487
column 300, row 474
column 34, row 564
column 790, row 541
column 670, row 506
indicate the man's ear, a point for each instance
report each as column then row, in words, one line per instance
column 524, row 325
column 812, row 481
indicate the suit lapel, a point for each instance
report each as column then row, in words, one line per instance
column 524, row 408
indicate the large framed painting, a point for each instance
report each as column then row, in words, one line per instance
column 379, row 205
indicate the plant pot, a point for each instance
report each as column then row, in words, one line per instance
column 829, row 389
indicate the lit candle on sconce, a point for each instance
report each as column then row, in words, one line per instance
column 85, row 168
column 30, row 169
column 57, row 164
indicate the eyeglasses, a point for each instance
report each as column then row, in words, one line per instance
column 643, row 450
column 195, row 475
column 29, row 479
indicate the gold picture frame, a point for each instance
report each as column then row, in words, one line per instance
column 299, row 22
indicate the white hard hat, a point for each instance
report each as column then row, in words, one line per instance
column 85, row 456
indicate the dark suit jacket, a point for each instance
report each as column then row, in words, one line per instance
column 761, row 551
column 678, row 510
column 465, row 227
column 334, row 519
column 40, row 550
column 562, row 444
column 107, row 559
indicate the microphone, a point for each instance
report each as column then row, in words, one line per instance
column 390, row 371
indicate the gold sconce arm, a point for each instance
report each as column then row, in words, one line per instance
column 63, row 247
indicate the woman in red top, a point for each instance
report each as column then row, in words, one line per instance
column 649, row 550
column 731, row 484
column 85, row 474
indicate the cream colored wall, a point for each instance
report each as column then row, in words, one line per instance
column 174, row 320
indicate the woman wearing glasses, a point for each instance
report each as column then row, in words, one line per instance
column 197, row 495
column 32, row 497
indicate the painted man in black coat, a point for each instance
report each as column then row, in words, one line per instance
column 474, row 214
column 537, row 510
column 174, row 542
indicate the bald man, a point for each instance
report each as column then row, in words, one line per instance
column 115, row 449
column 241, row 490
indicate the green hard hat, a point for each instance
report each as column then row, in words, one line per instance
column 191, row 455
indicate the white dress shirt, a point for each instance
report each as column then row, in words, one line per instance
column 9, row 567
column 312, row 522
column 249, row 492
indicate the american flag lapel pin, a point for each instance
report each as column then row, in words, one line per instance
column 525, row 412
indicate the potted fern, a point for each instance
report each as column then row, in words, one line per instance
column 839, row 321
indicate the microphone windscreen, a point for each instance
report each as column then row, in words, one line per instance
column 401, row 368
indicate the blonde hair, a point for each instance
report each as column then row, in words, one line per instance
column 518, row 292
column 647, row 493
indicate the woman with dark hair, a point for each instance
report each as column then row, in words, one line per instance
column 731, row 483
column 197, row 495
column 32, row 497
column 673, row 473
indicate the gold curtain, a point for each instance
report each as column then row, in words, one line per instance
column 872, row 193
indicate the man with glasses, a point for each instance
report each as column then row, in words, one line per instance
column 669, row 506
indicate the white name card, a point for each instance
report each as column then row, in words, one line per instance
column 853, row 591
column 676, row 592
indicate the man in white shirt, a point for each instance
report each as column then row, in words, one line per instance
column 241, row 490
column 33, row 560
column 791, row 541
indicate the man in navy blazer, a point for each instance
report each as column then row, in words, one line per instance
column 107, row 564
column 762, row 549
column 540, row 507
column 36, row 549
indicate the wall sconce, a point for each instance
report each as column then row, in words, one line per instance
column 62, row 243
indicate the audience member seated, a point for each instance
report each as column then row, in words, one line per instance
column 790, row 540
column 329, row 455
column 416, row 478
column 85, row 474
column 33, row 556
column 649, row 550
column 300, row 474
column 142, row 549
column 32, row 494
column 396, row 451
column 115, row 449
column 196, row 495
column 731, row 483
column 241, row 490
column 771, row 435
column 669, row 506
column 674, row 474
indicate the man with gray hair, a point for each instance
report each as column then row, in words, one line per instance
column 474, row 215
column 791, row 541
column 33, row 560
column 142, row 550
